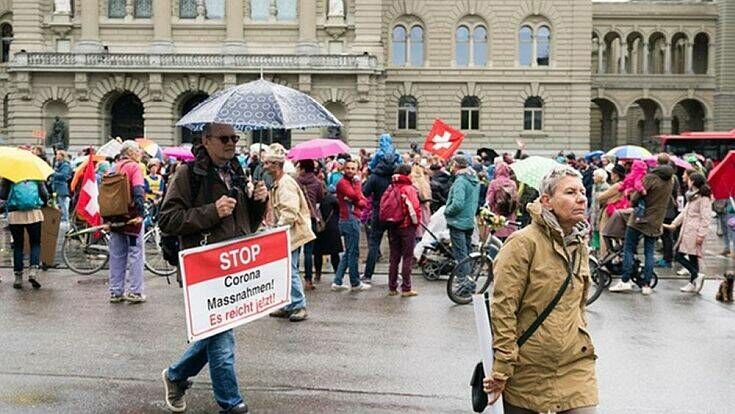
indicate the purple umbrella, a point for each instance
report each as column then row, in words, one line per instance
column 653, row 160
column 180, row 153
column 317, row 148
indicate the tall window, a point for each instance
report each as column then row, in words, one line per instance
column 260, row 9
column 286, row 9
column 143, row 9
column 543, row 47
column 417, row 46
column 399, row 44
column 116, row 9
column 6, row 31
column 407, row 111
column 215, row 9
column 525, row 46
column 533, row 114
column 534, row 45
column 187, row 9
column 462, row 52
column 470, row 113
column 479, row 45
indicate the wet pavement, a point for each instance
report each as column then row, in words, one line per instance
column 66, row 349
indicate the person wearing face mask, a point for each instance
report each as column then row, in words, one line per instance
column 544, row 356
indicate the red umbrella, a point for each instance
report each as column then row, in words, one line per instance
column 722, row 178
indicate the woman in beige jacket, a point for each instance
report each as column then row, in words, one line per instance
column 555, row 369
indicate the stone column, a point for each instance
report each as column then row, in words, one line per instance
column 90, row 39
column 711, row 50
column 307, row 44
column 235, row 40
column 667, row 59
column 623, row 51
column 666, row 125
column 162, row 39
column 600, row 60
column 622, row 133
column 689, row 64
column 646, row 57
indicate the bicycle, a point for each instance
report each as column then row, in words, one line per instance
column 479, row 263
column 154, row 261
column 86, row 251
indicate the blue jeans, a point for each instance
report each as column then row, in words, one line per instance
column 350, row 230
column 298, row 299
column 461, row 245
column 219, row 352
column 63, row 202
column 375, row 238
column 17, row 231
column 632, row 236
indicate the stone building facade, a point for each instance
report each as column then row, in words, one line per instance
column 559, row 74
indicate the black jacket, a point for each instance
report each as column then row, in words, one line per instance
column 440, row 183
column 377, row 182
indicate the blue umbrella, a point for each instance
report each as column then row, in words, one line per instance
column 593, row 154
column 629, row 152
column 260, row 105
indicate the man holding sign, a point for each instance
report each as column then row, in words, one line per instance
column 208, row 202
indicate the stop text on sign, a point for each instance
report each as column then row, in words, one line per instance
column 239, row 257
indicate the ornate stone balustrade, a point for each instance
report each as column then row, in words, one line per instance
column 33, row 61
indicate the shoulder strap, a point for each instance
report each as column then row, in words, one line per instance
column 550, row 307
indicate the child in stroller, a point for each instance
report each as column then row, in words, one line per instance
column 433, row 252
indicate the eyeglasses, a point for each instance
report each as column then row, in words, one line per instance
column 226, row 138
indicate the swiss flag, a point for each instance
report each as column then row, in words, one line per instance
column 443, row 140
column 87, row 207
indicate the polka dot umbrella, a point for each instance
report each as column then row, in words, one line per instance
column 260, row 105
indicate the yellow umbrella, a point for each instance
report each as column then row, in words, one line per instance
column 18, row 165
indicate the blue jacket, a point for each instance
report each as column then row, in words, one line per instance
column 462, row 201
column 60, row 178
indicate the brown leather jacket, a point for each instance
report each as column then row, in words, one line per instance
column 191, row 219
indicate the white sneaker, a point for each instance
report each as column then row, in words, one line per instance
column 338, row 288
column 361, row 287
column 682, row 272
column 699, row 282
column 622, row 287
column 646, row 290
column 688, row 288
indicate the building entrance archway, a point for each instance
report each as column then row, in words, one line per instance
column 644, row 118
column 187, row 136
column 687, row 115
column 126, row 117
column 603, row 124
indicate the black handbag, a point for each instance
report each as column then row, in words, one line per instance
column 479, row 396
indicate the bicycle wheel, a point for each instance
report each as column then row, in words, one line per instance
column 154, row 260
column 479, row 277
column 599, row 278
column 85, row 253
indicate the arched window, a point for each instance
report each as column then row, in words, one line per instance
column 479, row 46
column 525, row 46
column 533, row 114
column 470, row 113
column 462, row 52
column 116, row 9
column 187, row 9
column 407, row 112
column 260, row 9
column 543, row 46
column 286, row 9
column 399, row 46
column 6, row 31
column 143, row 9
column 417, row 46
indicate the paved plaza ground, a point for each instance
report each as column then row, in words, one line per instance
column 66, row 349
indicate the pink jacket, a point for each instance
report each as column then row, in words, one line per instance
column 694, row 222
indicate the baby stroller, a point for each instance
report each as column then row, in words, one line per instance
column 613, row 235
column 433, row 252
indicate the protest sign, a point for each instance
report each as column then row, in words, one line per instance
column 232, row 283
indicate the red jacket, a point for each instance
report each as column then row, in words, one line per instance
column 350, row 190
column 411, row 194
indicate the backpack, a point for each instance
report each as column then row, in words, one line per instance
column 115, row 198
column 505, row 202
column 24, row 196
column 391, row 206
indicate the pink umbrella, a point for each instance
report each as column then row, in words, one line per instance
column 317, row 149
column 653, row 160
column 180, row 153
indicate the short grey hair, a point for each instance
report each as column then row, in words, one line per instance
column 600, row 173
column 461, row 161
column 128, row 146
column 552, row 178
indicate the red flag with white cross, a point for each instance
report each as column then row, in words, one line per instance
column 87, row 206
column 443, row 140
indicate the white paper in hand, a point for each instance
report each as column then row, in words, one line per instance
column 485, row 337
